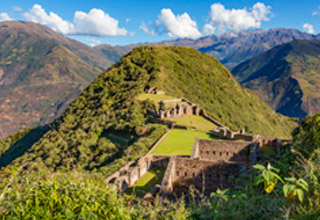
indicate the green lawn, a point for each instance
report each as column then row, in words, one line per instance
column 194, row 121
column 147, row 182
column 154, row 97
column 180, row 142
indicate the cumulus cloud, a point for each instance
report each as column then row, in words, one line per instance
column 98, row 23
column 177, row 26
column 4, row 17
column 308, row 28
column 94, row 23
column 237, row 19
column 52, row 20
column 208, row 29
column 145, row 28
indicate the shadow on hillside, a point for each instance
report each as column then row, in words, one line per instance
column 22, row 145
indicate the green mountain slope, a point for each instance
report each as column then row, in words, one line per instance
column 41, row 72
column 286, row 77
column 80, row 138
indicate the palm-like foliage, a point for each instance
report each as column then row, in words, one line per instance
column 268, row 175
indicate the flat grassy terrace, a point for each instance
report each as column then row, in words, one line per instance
column 195, row 121
column 147, row 182
column 180, row 142
column 154, row 97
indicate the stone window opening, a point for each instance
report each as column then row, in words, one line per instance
column 177, row 173
column 214, row 153
column 185, row 174
column 227, row 153
column 207, row 152
column 220, row 153
column 193, row 174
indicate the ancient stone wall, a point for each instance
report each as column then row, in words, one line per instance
column 226, row 133
column 220, row 150
column 168, row 178
column 131, row 172
column 154, row 90
column 205, row 176
column 204, row 114
column 160, row 161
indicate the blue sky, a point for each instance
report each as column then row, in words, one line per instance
column 124, row 22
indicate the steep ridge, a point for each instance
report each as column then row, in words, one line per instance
column 286, row 77
column 80, row 138
column 41, row 72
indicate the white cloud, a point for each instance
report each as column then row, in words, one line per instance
column 316, row 12
column 145, row 28
column 97, row 23
column 93, row 42
column 177, row 26
column 208, row 29
column 52, row 20
column 16, row 8
column 308, row 28
column 94, row 23
column 238, row 19
column 4, row 17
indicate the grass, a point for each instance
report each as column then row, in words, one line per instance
column 147, row 182
column 196, row 122
column 154, row 97
column 180, row 142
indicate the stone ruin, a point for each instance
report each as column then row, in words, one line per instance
column 279, row 144
column 212, row 163
column 173, row 108
column 210, row 166
column 154, row 90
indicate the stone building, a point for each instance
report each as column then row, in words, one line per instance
column 206, row 176
column 209, row 167
column 154, row 90
column 173, row 108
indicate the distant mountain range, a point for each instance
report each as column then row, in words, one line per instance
column 230, row 49
column 41, row 72
column 286, row 77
